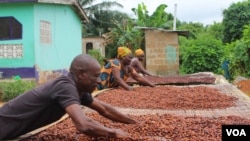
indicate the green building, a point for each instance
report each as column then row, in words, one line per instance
column 39, row 37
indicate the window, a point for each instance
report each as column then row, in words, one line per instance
column 10, row 28
column 45, row 32
column 89, row 46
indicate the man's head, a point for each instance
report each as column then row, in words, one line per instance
column 139, row 53
column 125, row 55
column 86, row 70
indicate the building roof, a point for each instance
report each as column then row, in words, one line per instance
column 179, row 32
column 74, row 3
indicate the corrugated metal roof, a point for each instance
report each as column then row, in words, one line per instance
column 74, row 3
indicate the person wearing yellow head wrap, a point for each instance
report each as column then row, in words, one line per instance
column 116, row 71
column 123, row 51
column 139, row 52
column 137, row 62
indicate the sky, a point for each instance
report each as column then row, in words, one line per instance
column 202, row 11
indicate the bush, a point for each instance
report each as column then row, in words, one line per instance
column 97, row 55
column 10, row 90
column 238, row 53
column 202, row 54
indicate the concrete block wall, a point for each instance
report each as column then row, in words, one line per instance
column 162, row 52
column 98, row 43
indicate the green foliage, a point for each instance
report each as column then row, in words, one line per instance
column 240, row 55
column 246, row 34
column 11, row 90
column 124, row 34
column 100, row 16
column 111, row 50
column 202, row 54
column 97, row 55
column 93, row 6
column 229, row 51
column 159, row 18
column 193, row 28
column 215, row 30
column 234, row 19
column 241, row 60
column 102, row 22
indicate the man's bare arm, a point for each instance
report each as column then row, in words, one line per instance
column 91, row 127
column 110, row 112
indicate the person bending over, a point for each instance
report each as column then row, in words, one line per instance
column 117, row 70
column 137, row 61
column 47, row 103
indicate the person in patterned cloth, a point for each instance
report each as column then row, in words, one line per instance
column 116, row 71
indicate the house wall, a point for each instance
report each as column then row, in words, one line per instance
column 43, row 60
column 162, row 52
column 53, row 59
column 23, row 66
column 66, row 41
column 98, row 43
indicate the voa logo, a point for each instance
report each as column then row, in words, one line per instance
column 236, row 132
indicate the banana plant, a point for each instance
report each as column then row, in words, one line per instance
column 126, row 33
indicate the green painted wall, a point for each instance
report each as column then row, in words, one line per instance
column 66, row 36
column 65, row 32
column 24, row 14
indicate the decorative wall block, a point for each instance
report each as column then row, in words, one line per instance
column 11, row 51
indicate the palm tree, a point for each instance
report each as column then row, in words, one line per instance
column 99, row 14
column 126, row 33
column 91, row 8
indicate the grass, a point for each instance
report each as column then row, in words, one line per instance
column 13, row 88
